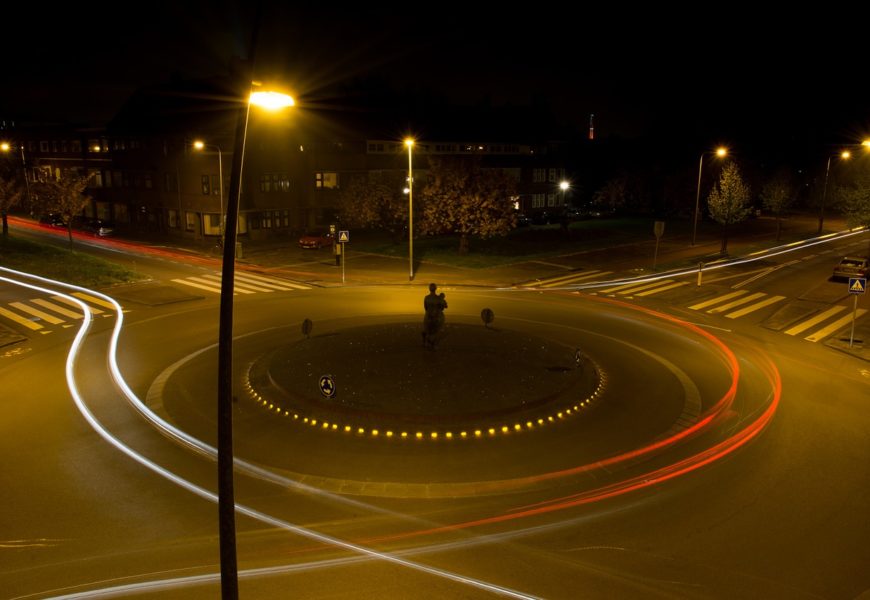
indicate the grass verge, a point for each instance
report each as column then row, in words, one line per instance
column 65, row 265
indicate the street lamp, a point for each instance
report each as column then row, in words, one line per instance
column 409, row 142
column 564, row 186
column 226, row 501
column 720, row 152
column 7, row 147
column 845, row 155
column 200, row 145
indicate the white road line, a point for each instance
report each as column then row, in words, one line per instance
column 273, row 280
column 93, row 300
column 801, row 327
column 754, row 307
column 245, row 286
column 93, row 311
column 58, row 309
column 735, row 303
column 833, row 327
column 564, row 279
column 208, row 288
column 36, row 312
column 272, row 286
column 664, row 289
column 19, row 319
column 718, row 299
column 637, row 288
column 207, row 282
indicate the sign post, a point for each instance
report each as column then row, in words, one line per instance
column 658, row 230
column 343, row 238
column 857, row 286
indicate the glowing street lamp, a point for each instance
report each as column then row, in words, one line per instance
column 7, row 147
column 845, row 155
column 720, row 152
column 200, row 145
column 226, row 501
column 409, row 142
column 564, row 186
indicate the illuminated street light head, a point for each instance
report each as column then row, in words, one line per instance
column 845, row 154
column 271, row 100
column 4, row 146
column 721, row 151
column 564, row 185
column 409, row 142
column 866, row 143
column 198, row 144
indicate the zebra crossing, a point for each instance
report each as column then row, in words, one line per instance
column 43, row 315
column 244, row 283
column 643, row 289
column 573, row 278
column 740, row 303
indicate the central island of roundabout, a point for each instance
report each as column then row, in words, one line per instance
column 361, row 407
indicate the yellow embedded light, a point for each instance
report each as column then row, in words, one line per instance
column 517, row 427
column 448, row 435
column 491, row 431
column 419, row 435
column 334, row 426
column 347, row 428
column 313, row 422
column 360, row 431
column 529, row 424
column 325, row 425
column 478, row 433
column 389, row 434
column 434, row 435
column 505, row 429
column 295, row 416
column 464, row 434
column 540, row 421
column 404, row 434
column 375, row 432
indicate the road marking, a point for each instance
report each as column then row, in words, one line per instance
column 833, row 327
column 94, row 300
column 58, row 309
column 237, row 285
column 754, row 307
column 200, row 286
column 718, row 299
column 800, row 327
column 627, row 288
column 568, row 279
column 736, row 303
column 19, row 319
column 36, row 312
column 207, row 282
column 663, row 289
column 93, row 311
column 272, row 282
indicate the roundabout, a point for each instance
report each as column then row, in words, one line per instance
column 599, row 393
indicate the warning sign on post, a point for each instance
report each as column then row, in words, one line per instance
column 857, row 285
column 343, row 237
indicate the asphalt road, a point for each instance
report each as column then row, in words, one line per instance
column 782, row 515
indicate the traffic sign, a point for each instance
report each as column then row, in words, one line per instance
column 857, row 285
column 327, row 386
column 343, row 237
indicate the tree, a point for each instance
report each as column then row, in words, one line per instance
column 461, row 197
column 375, row 201
column 10, row 195
column 612, row 195
column 728, row 200
column 66, row 197
column 854, row 200
column 776, row 196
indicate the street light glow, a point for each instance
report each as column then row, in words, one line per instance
column 198, row 144
column 4, row 147
column 409, row 142
column 721, row 151
column 845, row 154
column 271, row 100
column 564, row 185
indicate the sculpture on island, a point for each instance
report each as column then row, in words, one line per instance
column 433, row 321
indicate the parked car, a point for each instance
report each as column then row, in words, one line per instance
column 315, row 240
column 851, row 266
column 98, row 227
column 52, row 220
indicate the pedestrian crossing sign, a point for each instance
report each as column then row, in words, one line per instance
column 343, row 237
column 857, row 285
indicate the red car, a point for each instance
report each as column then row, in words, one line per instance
column 315, row 240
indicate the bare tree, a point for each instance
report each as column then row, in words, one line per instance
column 776, row 196
column 461, row 197
column 612, row 195
column 10, row 195
column 728, row 201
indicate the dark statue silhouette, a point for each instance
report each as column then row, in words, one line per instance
column 433, row 321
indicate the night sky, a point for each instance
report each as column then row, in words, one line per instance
column 790, row 80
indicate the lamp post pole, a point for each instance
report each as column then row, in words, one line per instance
column 226, row 501
column 845, row 155
column 199, row 145
column 720, row 152
column 410, row 144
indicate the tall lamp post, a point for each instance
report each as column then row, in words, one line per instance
column 564, row 186
column 845, row 155
column 720, row 152
column 409, row 142
column 226, row 501
column 7, row 147
column 200, row 145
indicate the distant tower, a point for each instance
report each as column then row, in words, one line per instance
column 591, row 126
